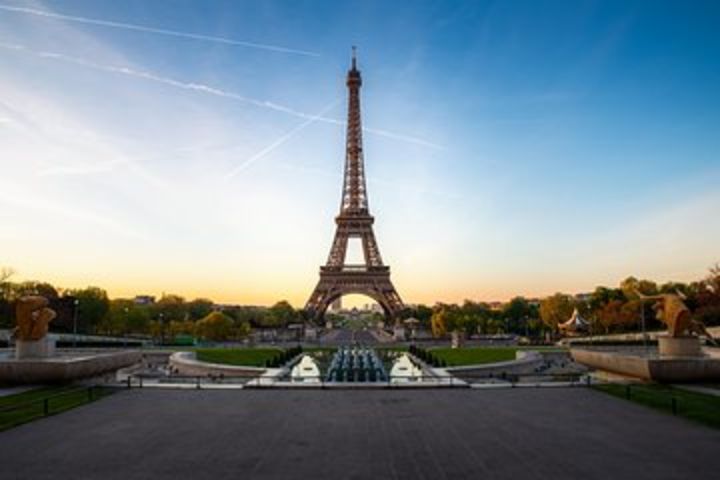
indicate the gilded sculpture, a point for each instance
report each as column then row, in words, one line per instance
column 672, row 311
column 33, row 316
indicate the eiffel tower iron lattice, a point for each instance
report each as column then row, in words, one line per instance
column 338, row 278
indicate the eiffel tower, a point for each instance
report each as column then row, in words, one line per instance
column 338, row 278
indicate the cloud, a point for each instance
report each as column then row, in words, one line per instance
column 279, row 141
column 31, row 200
column 159, row 31
column 206, row 89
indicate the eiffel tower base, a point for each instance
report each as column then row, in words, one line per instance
column 373, row 282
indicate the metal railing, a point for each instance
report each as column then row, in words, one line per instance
column 43, row 407
column 253, row 380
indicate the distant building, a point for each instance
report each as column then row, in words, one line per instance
column 144, row 300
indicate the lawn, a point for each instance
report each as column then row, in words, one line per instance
column 27, row 406
column 694, row 406
column 478, row 355
column 250, row 357
column 474, row 355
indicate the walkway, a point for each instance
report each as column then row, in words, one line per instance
column 438, row 434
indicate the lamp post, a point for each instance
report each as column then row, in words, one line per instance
column 76, row 302
column 127, row 317
column 642, row 323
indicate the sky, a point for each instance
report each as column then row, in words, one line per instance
column 511, row 147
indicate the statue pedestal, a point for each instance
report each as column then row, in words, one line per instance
column 399, row 333
column 688, row 346
column 43, row 348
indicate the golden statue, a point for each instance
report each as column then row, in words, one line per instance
column 33, row 317
column 672, row 311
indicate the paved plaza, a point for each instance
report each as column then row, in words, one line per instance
column 549, row 433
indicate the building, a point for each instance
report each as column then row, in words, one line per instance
column 144, row 300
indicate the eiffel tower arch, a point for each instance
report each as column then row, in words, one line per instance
column 337, row 278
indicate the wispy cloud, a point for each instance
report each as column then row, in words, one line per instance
column 159, row 31
column 31, row 200
column 279, row 141
column 206, row 89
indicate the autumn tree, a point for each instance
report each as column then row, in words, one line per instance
column 556, row 309
column 214, row 327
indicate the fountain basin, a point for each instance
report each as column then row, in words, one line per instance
column 650, row 365
column 63, row 369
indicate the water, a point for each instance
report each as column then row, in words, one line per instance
column 356, row 364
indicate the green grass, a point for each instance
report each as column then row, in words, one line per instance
column 249, row 357
column 455, row 357
column 694, row 406
column 474, row 355
column 27, row 406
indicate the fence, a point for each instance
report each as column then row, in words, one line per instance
column 17, row 413
column 250, row 380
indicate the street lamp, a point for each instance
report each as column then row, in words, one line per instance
column 76, row 302
column 642, row 323
column 127, row 317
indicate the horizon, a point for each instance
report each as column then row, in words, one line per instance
column 194, row 150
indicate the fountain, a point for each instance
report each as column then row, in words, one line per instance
column 36, row 359
column 404, row 370
column 306, row 370
column 356, row 364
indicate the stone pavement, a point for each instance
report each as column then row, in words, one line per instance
column 558, row 433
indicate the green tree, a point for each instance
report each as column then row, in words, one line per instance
column 199, row 308
column 92, row 307
column 281, row 314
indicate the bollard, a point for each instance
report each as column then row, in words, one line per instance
column 197, row 383
column 674, row 405
column 129, row 382
column 90, row 394
column 140, row 381
column 46, row 407
column 627, row 392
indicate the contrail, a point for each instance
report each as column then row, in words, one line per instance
column 284, row 138
column 159, row 31
column 199, row 87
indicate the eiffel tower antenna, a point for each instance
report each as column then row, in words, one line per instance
column 337, row 278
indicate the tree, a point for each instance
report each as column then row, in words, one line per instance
column 281, row 314
column 517, row 313
column 241, row 329
column 556, row 309
column 631, row 286
column 92, row 306
column 617, row 315
column 214, row 327
column 171, row 307
column 601, row 296
column 37, row 288
column 708, row 298
column 199, row 308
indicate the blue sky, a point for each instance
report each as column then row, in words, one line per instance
column 512, row 147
